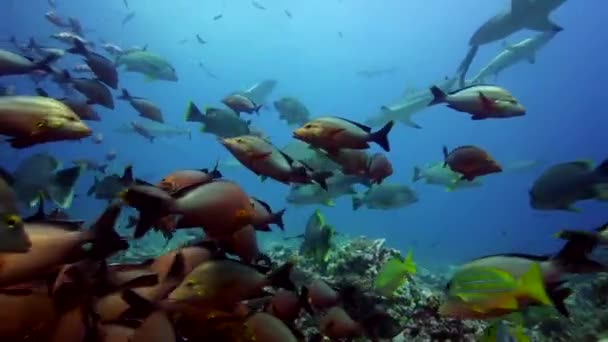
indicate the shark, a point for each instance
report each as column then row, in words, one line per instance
column 525, row 50
column 523, row 14
column 403, row 110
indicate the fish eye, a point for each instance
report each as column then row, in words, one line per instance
column 41, row 123
column 239, row 140
column 190, row 283
column 308, row 126
column 12, row 220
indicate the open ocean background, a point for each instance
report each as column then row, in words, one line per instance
column 564, row 93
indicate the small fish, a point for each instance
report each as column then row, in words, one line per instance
column 200, row 40
column 288, row 14
column 394, row 273
column 470, row 161
column 340, row 34
column 126, row 3
column 257, row 5
column 241, row 104
column 144, row 107
column 56, row 19
column 218, row 17
column 128, row 18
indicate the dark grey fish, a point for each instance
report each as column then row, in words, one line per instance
column 207, row 71
column 288, row 14
column 95, row 91
column 38, row 175
column 200, row 40
column 292, row 110
column 560, row 186
column 126, row 2
column 218, row 17
column 144, row 107
column 109, row 187
column 103, row 68
column 14, row 64
column 223, row 123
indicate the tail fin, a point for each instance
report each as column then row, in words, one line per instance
column 44, row 64
column 603, row 168
column 580, row 242
column 152, row 204
column 381, row 137
column 417, row 174
column 103, row 233
column 278, row 219
column 532, row 285
column 61, row 189
column 281, row 277
column 78, row 48
column 193, row 114
column 558, row 296
column 321, row 178
column 439, row 95
column 93, row 187
column 572, row 258
column 357, row 202
column 125, row 95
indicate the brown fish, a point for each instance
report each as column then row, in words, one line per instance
column 55, row 244
column 221, row 207
column 241, row 104
column 334, row 133
column 337, row 324
column 264, row 159
column 182, row 179
column 470, row 161
column 221, row 284
column 144, row 107
column 31, row 120
column 379, row 168
column 268, row 328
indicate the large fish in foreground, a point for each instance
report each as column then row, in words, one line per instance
column 523, row 14
column 40, row 174
column 31, row 120
column 13, row 238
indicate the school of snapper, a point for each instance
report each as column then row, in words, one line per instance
column 57, row 285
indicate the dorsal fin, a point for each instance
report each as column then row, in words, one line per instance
column 362, row 126
column 263, row 204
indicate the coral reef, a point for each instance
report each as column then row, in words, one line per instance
column 357, row 262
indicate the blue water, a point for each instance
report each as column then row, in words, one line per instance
column 563, row 92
